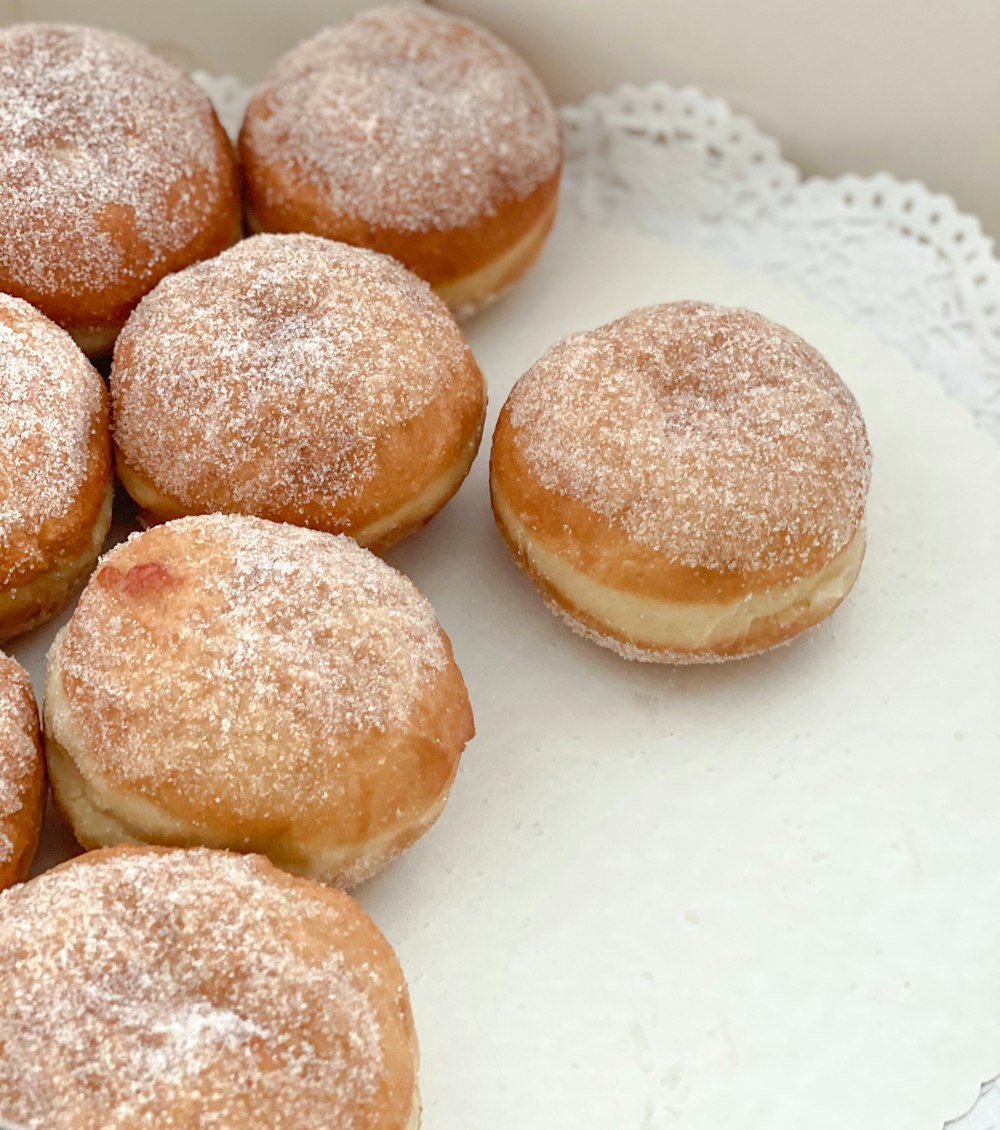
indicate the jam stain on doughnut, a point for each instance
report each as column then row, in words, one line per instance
column 260, row 687
column 141, row 580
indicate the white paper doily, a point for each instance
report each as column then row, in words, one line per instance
column 891, row 254
column 888, row 254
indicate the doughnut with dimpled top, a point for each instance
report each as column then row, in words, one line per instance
column 231, row 682
column 185, row 990
column 415, row 133
column 301, row 380
column 685, row 484
column 114, row 171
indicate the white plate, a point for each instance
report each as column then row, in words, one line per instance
column 758, row 896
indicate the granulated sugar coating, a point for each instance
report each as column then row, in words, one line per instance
column 264, row 379
column 406, row 118
column 97, row 136
column 50, row 397
column 713, row 436
column 150, row 990
column 18, row 754
column 227, row 661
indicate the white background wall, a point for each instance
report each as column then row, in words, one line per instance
column 910, row 86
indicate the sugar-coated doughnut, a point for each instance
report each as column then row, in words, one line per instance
column 237, row 683
column 415, row 133
column 22, row 774
column 685, row 484
column 114, row 171
column 55, row 466
column 301, row 380
column 184, row 990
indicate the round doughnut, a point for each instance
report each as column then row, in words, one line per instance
column 114, row 171
column 685, row 484
column 142, row 987
column 415, row 133
column 22, row 774
column 55, row 466
column 241, row 684
column 300, row 380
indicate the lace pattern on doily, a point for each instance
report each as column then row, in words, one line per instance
column 886, row 252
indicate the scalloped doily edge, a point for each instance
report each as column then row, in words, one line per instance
column 961, row 346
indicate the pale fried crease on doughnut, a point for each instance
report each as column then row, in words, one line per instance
column 685, row 484
column 301, row 380
column 236, row 683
